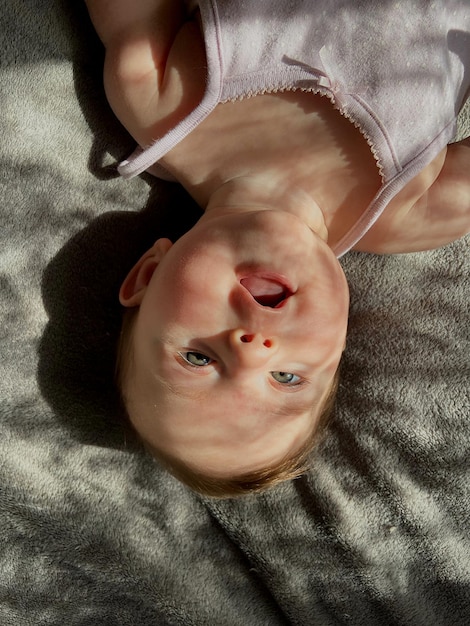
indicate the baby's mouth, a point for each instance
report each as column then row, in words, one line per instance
column 268, row 292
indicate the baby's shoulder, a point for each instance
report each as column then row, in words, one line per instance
column 432, row 210
column 183, row 80
column 159, row 81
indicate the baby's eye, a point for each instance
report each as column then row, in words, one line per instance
column 286, row 378
column 197, row 359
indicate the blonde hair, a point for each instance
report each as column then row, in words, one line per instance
column 292, row 466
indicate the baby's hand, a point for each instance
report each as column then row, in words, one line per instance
column 116, row 21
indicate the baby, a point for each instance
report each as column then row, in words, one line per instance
column 302, row 135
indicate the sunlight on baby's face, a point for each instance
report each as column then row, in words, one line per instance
column 240, row 330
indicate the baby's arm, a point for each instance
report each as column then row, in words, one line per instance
column 139, row 73
column 417, row 220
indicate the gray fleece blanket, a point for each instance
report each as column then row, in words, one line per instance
column 92, row 531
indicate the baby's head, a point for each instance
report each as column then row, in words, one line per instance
column 229, row 365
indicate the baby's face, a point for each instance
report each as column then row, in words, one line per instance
column 241, row 327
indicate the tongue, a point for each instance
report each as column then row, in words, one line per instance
column 264, row 291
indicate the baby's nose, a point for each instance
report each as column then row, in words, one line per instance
column 252, row 349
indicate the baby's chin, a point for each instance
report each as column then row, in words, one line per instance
column 256, row 230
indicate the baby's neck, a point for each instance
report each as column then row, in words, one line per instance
column 263, row 191
column 290, row 151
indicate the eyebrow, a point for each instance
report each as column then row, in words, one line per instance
column 294, row 411
column 198, row 395
column 182, row 391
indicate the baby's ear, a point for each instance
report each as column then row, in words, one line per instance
column 135, row 284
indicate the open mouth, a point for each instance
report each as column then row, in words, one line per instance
column 266, row 291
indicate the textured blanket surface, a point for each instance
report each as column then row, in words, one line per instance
column 92, row 531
